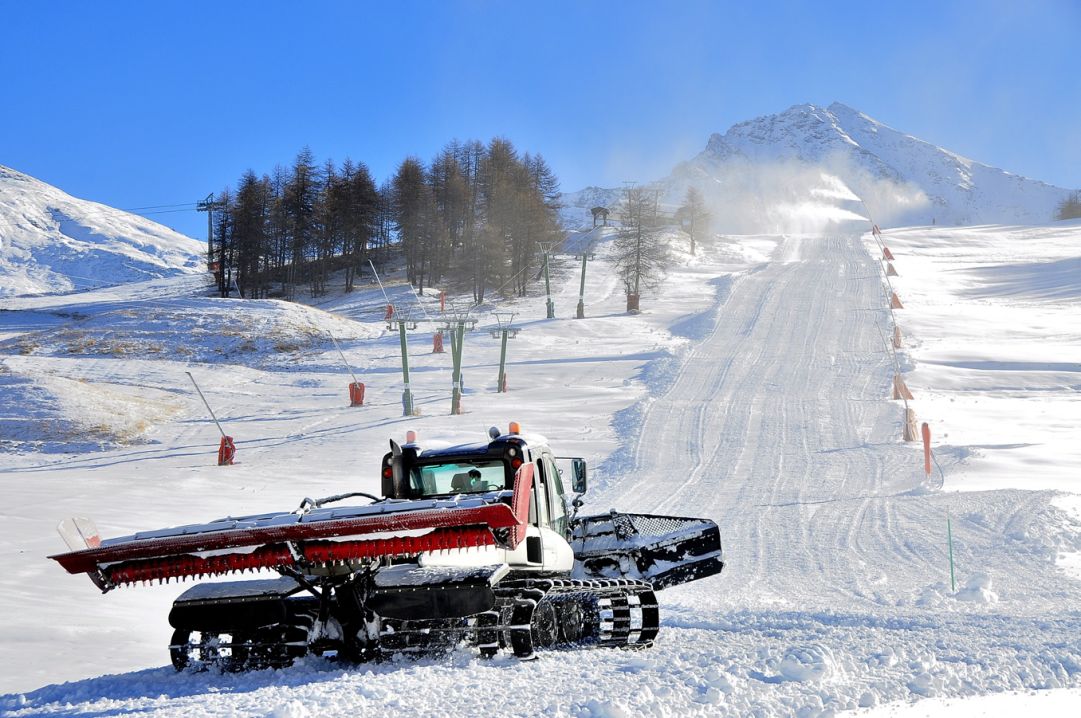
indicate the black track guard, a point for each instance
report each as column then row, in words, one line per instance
column 664, row 550
column 410, row 592
column 234, row 605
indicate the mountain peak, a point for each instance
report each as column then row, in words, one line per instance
column 803, row 109
column 893, row 172
column 841, row 108
column 782, row 170
column 803, row 131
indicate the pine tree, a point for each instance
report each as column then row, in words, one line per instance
column 450, row 194
column 414, row 211
column 471, row 159
column 385, row 217
column 640, row 253
column 278, row 229
column 224, row 248
column 360, row 224
column 250, row 233
column 693, row 215
column 301, row 193
column 501, row 178
column 328, row 229
column 539, row 202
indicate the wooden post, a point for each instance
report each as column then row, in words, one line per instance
column 900, row 389
column 910, row 431
column 926, row 431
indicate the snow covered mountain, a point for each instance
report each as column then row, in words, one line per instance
column 811, row 163
column 53, row 242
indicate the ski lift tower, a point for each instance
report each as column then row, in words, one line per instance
column 504, row 330
column 456, row 321
column 550, row 307
column 581, row 311
column 403, row 322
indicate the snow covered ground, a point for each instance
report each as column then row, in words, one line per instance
column 752, row 390
column 993, row 337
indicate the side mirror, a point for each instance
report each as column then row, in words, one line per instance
column 579, row 482
column 396, row 485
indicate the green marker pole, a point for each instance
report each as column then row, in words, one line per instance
column 407, row 395
column 502, row 363
column 549, row 304
column 949, row 537
column 582, row 290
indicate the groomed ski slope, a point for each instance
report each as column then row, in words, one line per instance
column 757, row 397
column 775, row 427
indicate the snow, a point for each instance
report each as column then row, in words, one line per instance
column 751, row 390
column 52, row 242
column 993, row 349
column 1065, row 702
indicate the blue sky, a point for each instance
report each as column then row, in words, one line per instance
column 155, row 103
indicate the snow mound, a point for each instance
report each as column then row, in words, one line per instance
column 600, row 709
column 52, row 242
column 978, row 590
column 292, row 709
column 813, row 663
column 249, row 332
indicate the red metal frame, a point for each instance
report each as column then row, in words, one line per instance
column 281, row 546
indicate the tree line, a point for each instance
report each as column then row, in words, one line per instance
column 472, row 218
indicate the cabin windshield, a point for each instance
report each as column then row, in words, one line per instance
column 468, row 477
